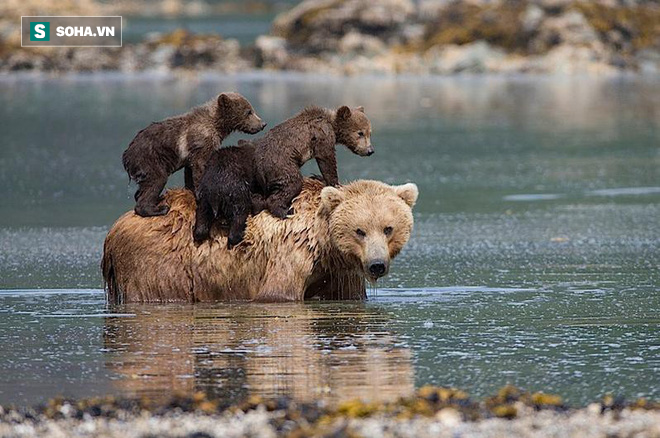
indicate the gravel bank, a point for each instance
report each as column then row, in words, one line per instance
column 432, row 412
column 583, row 423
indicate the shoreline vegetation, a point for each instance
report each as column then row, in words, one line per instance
column 432, row 411
column 351, row 37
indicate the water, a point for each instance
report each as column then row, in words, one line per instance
column 535, row 258
column 243, row 27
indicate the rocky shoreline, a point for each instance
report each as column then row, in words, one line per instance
column 432, row 412
column 389, row 37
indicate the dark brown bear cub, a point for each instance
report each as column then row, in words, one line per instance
column 184, row 141
column 313, row 133
column 228, row 189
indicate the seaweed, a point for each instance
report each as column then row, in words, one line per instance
column 638, row 25
column 462, row 23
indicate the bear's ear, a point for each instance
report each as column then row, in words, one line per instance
column 407, row 192
column 344, row 113
column 224, row 101
column 331, row 197
column 360, row 108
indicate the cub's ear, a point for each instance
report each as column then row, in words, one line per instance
column 407, row 192
column 224, row 100
column 331, row 197
column 360, row 108
column 344, row 113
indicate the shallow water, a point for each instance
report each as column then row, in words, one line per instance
column 535, row 258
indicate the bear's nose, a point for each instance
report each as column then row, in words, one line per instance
column 370, row 151
column 377, row 268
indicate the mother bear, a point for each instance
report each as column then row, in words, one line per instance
column 337, row 238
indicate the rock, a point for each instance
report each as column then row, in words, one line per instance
column 162, row 56
column 355, row 42
column 569, row 59
column 412, row 34
column 92, row 59
column 552, row 5
column 475, row 57
column 375, row 37
column 429, row 9
column 449, row 417
column 19, row 61
column 271, row 52
column 318, row 25
column 532, row 18
column 649, row 62
column 568, row 28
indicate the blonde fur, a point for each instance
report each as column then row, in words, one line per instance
column 154, row 259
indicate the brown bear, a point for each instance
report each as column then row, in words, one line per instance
column 228, row 189
column 184, row 141
column 313, row 133
column 337, row 238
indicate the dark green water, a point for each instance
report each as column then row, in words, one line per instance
column 535, row 258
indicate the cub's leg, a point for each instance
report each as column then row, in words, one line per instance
column 238, row 223
column 147, row 196
column 282, row 193
column 194, row 170
column 188, row 178
column 258, row 203
column 203, row 220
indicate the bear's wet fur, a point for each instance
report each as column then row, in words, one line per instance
column 312, row 133
column 228, row 189
column 183, row 141
column 315, row 253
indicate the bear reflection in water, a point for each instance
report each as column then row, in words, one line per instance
column 332, row 352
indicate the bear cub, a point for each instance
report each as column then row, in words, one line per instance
column 312, row 133
column 228, row 189
column 184, row 141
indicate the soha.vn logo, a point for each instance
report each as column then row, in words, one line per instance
column 40, row 31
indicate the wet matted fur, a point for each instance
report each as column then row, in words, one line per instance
column 313, row 253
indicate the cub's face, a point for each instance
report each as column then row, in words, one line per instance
column 238, row 110
column 369, row 222
column 353, row 130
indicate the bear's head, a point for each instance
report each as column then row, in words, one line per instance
column 353, row 130
column 369, row 222
column 238, row 115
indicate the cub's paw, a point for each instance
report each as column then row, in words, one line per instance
column 150, row 211
column 232, row 240
column 279, row 212
column 200, row 235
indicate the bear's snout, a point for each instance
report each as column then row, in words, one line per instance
column 370, row 150
column 377, row 268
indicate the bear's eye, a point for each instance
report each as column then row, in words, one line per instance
column 360, row 233
column 361, row 133
column 249, row 113
column 387, row 231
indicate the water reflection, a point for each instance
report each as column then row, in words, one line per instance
column 332, row 352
